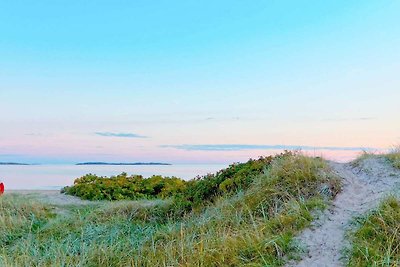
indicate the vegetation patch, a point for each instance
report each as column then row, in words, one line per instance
column 237, row 176
column 376, row 241
column 252, row 222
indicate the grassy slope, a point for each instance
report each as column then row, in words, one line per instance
column 376, row 241
column 394, row 157
column 254, row 227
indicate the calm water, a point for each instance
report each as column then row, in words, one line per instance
column 57, row 176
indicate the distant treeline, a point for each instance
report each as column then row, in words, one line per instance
column 121, row 163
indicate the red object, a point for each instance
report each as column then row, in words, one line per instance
column 1, row 188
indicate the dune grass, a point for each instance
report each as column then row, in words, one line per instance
column 21, row 217
column 394, row 157
column 253, row 227
column 357, row 162
column 376, row 241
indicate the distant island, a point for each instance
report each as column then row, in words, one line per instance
column 119, row 163
column 13, row 163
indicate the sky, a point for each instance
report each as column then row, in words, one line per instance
column 197, row 81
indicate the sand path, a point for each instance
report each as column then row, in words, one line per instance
column 364, row 184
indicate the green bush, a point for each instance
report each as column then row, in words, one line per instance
column 124, row 187
column 197, row 192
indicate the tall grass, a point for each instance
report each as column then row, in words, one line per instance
column 394, row 157
column 20, row 217
column 376, row 241
column 254, row 227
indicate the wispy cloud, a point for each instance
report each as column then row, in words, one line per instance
column 351, row 119
column 124, row 135
column 34, row 134
column 365, row 119
column 238, row 147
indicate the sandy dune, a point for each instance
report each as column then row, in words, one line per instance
column 365, row 184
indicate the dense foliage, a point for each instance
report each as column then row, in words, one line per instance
column 196, row 192
column 376, row 241
column 122, row 187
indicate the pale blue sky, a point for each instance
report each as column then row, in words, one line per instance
column 141, row 80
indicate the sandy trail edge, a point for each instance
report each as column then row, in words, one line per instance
column 363, row 186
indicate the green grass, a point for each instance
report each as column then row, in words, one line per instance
column 394, row 157
column 376, row 241
column 253, row 227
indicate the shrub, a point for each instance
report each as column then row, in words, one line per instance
column 202, row 189
column 124, row 187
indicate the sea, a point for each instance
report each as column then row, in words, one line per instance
column 55, row 177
